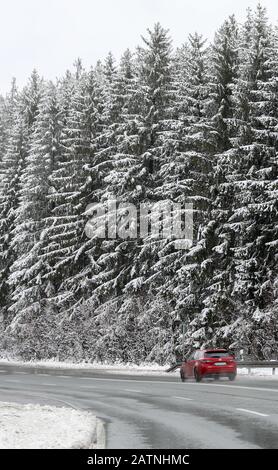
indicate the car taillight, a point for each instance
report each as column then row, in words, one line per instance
column 203, row 361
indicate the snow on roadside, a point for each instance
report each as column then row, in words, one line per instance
column 118, row 366
column 46, row 427
column 258, row 371
column 122, row 368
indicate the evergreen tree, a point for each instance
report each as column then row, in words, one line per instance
column 72, row 191
column 190, row 173
column 255, row 169
column 12, row 164
column 28, row 269
column 215, row 265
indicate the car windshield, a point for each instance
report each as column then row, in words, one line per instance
column 217, row 354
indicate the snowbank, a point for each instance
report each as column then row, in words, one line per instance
column 48, row 427
column 258, row 371
column 118, row 366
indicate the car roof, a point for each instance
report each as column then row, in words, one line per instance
column 213, row 349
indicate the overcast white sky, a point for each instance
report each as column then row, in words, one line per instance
column 50, row 34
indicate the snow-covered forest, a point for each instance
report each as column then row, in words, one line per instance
column 199, row 122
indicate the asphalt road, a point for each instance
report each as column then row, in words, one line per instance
column 157, row 411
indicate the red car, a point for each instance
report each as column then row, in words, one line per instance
column 209, row 363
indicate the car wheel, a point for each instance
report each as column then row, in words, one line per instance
column 232, row 376
column 183, row 378
column 197, row 376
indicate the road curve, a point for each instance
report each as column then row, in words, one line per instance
column 145, row 411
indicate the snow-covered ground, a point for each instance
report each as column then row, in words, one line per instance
column 258, row 371
column 47, row 427
column 119, row 366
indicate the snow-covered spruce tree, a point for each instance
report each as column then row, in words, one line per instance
column 255, row 213
column 171, row 181
column 155, row 90
column 65, row 223
column 74, row 186
column 11, row 165
column 50, row 253
column 111, row 172
column 28, row 270
column 133, row 109
column 20, row 115
column 154, row 74
column 244, row 205
column 185, row 176
column 216, row 310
